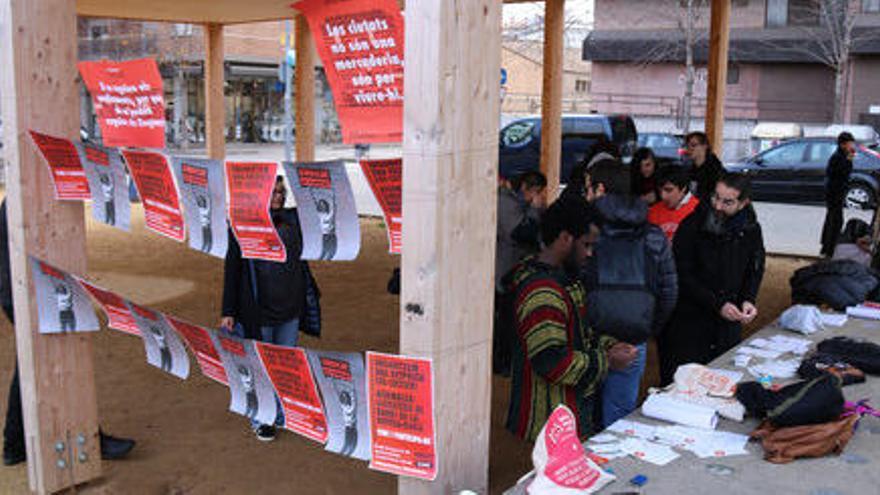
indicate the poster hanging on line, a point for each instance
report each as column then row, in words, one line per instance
column 288, row 368
column 155, row 185
column 163, row 346
column 327, row 212
column 62, row 304
column 250, row 187
column 65, row 169
column 115, row 307
column 360, row 43
column 251, row 390
column 341, row 379
column 203, row 193
column 385, row 178
column 108, row 183
column 129, row 101
column 203, row 344
column 401, row 403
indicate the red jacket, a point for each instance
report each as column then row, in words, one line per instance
column 669, row 219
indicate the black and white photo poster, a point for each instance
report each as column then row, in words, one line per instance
column 108, row 184
column 342, row 381
column 252, row 394
column 165, row 350
column 203, row 193
column 62, row 304
column 327, row 212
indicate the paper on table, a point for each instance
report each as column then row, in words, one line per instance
column 834, row 319
column 633, row 429
column 703, row 443
column 776, row 369
column 864, row 312
column 764, row 353
column 644, row 450
column 781, row 344
column 603, row 438
column 662, row 406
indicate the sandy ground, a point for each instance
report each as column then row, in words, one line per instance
column 188, row 443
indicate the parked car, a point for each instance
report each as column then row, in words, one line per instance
column 794, row 172
column 520, row 146
column 668, row 148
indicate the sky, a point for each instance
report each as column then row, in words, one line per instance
column 582, row 9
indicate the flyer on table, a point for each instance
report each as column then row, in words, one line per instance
column 342, row 382
column 116, row 308
column 62, row 304
column 203, row 193
column 155, row 185
column 203, row 344
column 401, row 395
column 360, row 43
column 66, row 171
column 108, row 183
column 250, row 188
column 250, row 389
column 327, row 212
column 163, row 346
column 129, row 101
column 386, row 181
column 288, row 368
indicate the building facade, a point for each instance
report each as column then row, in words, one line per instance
column 523, row 63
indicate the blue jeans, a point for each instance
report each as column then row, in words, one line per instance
column 286, row 334
column 621, row 389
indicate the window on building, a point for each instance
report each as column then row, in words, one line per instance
column 803, row 13
column 871, row 6
column 777, row 13
column 732, row 74
column 581, row 86
column 99, row 29
column 183, row 29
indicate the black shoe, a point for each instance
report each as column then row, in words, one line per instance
column 113, row 448
column 265, row 433
column 13, row 456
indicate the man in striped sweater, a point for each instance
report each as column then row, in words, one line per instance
column 557, row 359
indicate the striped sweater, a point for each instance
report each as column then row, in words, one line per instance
column 556, row 358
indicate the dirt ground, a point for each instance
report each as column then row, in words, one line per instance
column 188, row 442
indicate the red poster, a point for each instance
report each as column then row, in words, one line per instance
column 129, row 102
column 250, row 187
column 288, row 368
column 203, row 347
column 401, row 396
column 386, row 180
column 114, row 306
column 361, row 45
column 64, row 167
column 155, row 184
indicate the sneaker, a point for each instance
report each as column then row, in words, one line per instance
column 265, row 433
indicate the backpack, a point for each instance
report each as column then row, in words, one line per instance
column 620, row 287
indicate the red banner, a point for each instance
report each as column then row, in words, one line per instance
column 386, row 180
column 361, row 45
column 128, row 100
column 114, row 306
column 250, row 187
column 288, row 368
column 401, row 397
column 203, row 347
column 155, row 184
column 65, row 168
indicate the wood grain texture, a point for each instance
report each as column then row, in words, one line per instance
column 719, row 44
column 215, row 107
column 304, row 91
column 551, row 97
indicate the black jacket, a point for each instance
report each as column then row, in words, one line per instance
column 707, row 176
column 837, row 283
column 837, row 177
column 5, row 271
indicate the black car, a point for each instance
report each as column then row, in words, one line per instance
column 667, row 148
column 794, row 172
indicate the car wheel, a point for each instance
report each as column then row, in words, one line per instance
column 859, row 196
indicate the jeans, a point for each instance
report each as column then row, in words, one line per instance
column 286, row 334
column 621, row 389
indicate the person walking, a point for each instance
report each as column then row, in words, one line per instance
column 837, row 173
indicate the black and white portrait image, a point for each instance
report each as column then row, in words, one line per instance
column 105, row 171
column 252, row 394
column 341, row 381
column 63, row 305
column 203, row 194
column 325, row 205
column 164, row 347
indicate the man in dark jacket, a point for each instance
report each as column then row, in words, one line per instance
column 707, row 168
column 719, row 251
column 837, row 173
column 631, row 281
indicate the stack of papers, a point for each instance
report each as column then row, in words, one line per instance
column 864, row 311
column 633, row 429
column 776, row 369
column 644, row 450
column 658, row 447
column 703, row 443
column 782, row 344
column 834, row 319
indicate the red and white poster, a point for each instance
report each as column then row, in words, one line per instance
column 361, row 45
column 386, row 180
column 115, row 307
column 203, row 345
column 250, row 187
column 288, row 368
column 65, row 168
column 155, row 184
column 129, row 101
column 401, row 397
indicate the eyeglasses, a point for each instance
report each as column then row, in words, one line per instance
column 728, row 203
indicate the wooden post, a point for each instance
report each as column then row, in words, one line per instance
column 719, row 41
column 215, row 105
column 551, row 96
column 304, row 91
column 450, row 154
column 40, row 91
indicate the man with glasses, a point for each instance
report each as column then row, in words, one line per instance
column 707, row 168
column 719, row 253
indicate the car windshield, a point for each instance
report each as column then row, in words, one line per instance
column 659, row 141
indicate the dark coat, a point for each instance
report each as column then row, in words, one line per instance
column 837, row 177
column 707, row 176
column 5, row 272
column 837, row 283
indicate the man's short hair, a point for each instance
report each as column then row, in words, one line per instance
column 701, row 137
column 675, row 175
column 530, row 179
column 740, row 182
column 613, row 175
column 845, row 137
column 572, row 215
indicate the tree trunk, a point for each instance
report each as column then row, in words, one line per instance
column 840, row 74
column 689, row 69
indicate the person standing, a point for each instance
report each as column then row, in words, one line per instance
column 837, row 174
column 719, row 251
column 644, row 175
column 707, row 168
column 676, row 201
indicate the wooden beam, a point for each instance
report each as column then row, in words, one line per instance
column 551, row 96
column 40, row 90
column 450, row 154
column 719, row 43
column 304, row 91
column 215, row 105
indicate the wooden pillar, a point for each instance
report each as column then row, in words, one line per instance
column 215, row 104
column 304, row 91
column 551, row 96
column 719, row 41
column 450, row 154
column 40, row 91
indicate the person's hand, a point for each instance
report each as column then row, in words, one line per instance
column 621, row 355
column 749, row 312
column 227, row 323
column 731, row 313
